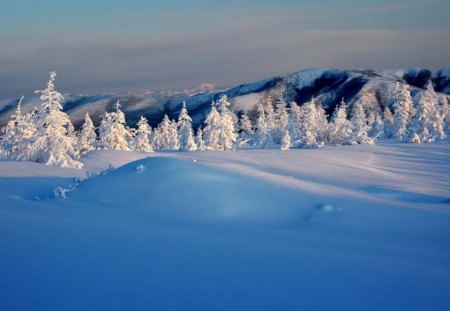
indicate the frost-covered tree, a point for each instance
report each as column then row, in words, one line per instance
column 12, row 134
column 376, row 125
column 185, row 132
column 227, row 132
column 53, row 142
column 294, row 122
column 445, row 115
column 141, row 139
column 286, row 142
column 212, row 129
column 281, row 119
column 245, row 130
column 341, row 128
column 403, row 112
column 323, row 126
column 113, row 133
column 427, row 122
column 87, row 138
column 309, row 126
column 359, row 126
column 388, row 120
column 199, row 140
column 166, row 137
column 263, row 137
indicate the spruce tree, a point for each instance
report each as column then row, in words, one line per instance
column 141, row 140
column 341, row 128
column 263, row 137
column 113, row 133
column 227, row 131
column 87, row 138
column 212, row 129
column 403, row 112
column 53, row 142
column 286, row 142
column 185, row 132
column 245, row 130
column 359, row 125
column 199, row 140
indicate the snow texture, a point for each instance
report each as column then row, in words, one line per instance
column 338, row 228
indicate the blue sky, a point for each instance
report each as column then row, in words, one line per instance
column 103, row 46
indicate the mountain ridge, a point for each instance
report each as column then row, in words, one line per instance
column 328, row 86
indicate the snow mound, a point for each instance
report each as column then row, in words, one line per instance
column 184, row 188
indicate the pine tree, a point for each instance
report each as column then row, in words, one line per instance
column 246, row 130
column 12, row 134
column 281, row 119
column 263, row 137
column 360, row 126
column 341, row 128
column 185, row 132
column 403, row 112
column 227, row 132
column 113, row 133
column 141, row 141
column 309, row 125
column 286, row 142
column 52, row 143
column 199, row 140
column 427, row 123
column 166, row 137
column 388, row 120
column 323, row 128
column 376, row 126
column 87, row 138
column 212, row 129
column 295, row 117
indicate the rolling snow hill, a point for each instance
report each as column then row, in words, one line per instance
column 329, row 86
column 340, row 228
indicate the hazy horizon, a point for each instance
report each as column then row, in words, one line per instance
column 118, row 46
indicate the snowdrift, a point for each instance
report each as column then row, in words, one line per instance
column 352, row 228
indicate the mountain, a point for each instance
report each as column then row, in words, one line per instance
column 328, row 86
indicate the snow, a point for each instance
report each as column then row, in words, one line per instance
column 337, row 228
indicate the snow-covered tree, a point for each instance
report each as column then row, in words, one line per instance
column 185, row 132
column 376, row 126
column 246, row 130
column 286, row 142
column 295, row 117
column 199, row 140
column 12, row 134
column 445, row 115
column 227, row 132
column 281, row 119
column 403, row 112
column 113, row 133
column 87, row 138
column 323, row 129
column 212, row 129
column 309, row 126
column 360, row 126
column 141, row 139
column 388, row 120
column 341, row 128
column 427, row 122
column 166, row 137
column 52, row 143
column 263, row 137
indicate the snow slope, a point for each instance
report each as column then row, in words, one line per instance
column 338, row 228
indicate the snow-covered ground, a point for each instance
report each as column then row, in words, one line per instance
column 337, row 228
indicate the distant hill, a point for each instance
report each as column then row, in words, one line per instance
column 329, row 86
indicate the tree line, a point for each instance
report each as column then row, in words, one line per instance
column 46, row 134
